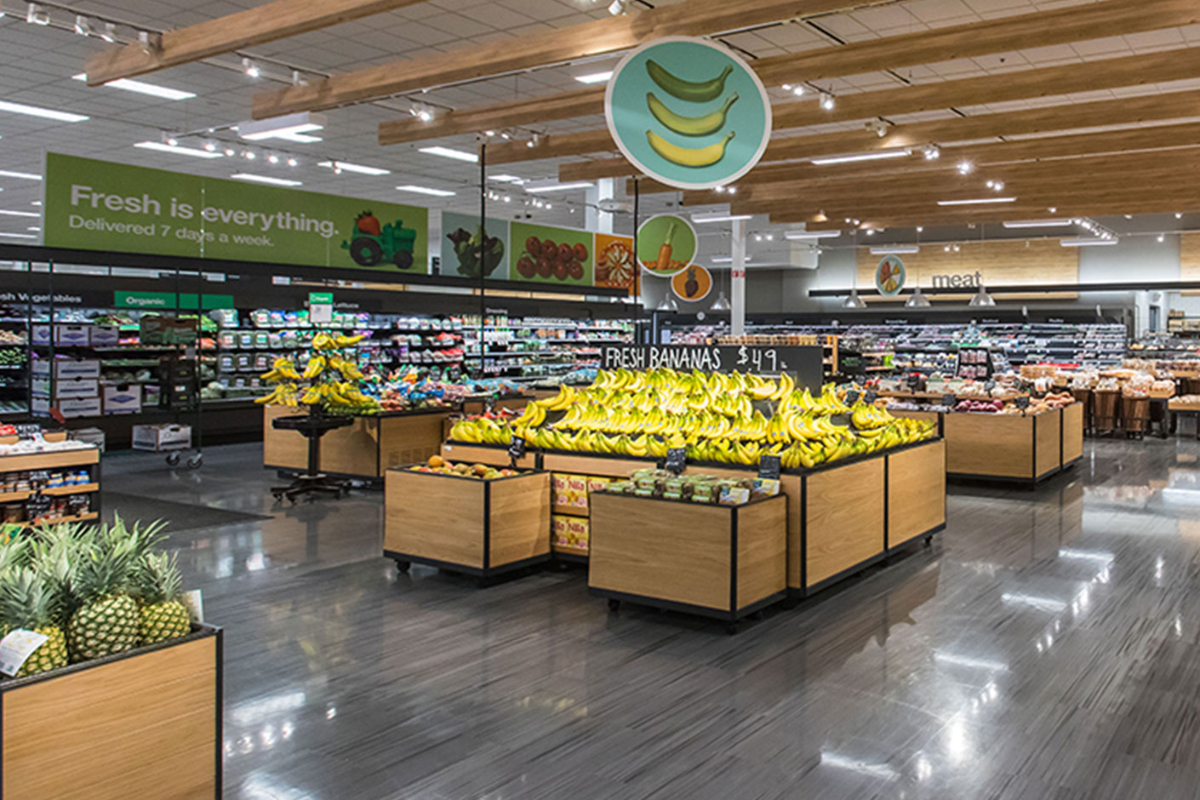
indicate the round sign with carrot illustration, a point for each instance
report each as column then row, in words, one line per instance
column 889, row 276
column 693, row 284
column 666, row 244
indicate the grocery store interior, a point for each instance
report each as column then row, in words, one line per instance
column 622, row 399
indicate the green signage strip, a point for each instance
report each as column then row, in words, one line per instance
column 166, row 301
column 97, row 205
column 320, row 298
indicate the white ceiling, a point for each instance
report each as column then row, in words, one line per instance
column 36, row 65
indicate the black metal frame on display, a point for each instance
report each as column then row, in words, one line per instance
column 1026, row 482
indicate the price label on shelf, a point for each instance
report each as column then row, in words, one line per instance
column 676, row 460
column 852, row 397
column 1022, row 402
column 516, row 448
column 989, row 385
column 769, row 467
column 194, row 601
column 949, row 400
column 869, row 397
column 16, row 648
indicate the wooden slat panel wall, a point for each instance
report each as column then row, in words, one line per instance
column 1000, row 263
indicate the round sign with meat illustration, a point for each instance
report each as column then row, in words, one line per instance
column 693, row 284
column 889, row 276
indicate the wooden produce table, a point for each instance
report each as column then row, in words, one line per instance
column 716, row 561
column 491, row 454
column 146, row 723
column 836, row 523
column 478, row 527
column 83, row 458
column 363, row 450
column 1011, row 447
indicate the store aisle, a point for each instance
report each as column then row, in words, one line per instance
column 1045, row 646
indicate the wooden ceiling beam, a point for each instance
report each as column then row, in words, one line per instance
column 579, row 103
column 907, row 219
column 267, row 23
column 599, row 37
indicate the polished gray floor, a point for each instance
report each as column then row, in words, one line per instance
column 1046, row 646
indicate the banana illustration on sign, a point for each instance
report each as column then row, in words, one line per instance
column 689, row 156
column 690, row 126
column 701, row 92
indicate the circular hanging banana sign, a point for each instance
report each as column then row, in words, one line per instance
column 889, row 276
column 688, row 113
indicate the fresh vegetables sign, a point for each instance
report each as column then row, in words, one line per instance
column 97, row 205
column 666, row 245
column 688, row 112
column 550, row 255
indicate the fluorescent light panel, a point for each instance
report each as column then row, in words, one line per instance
column 449, row 152
column 895, row 250
column 537, row 188
column 1040, row 223
column 1081, row 242
column 425, row 190
column 143, row 88
column 594, row 77
column 850, row 159
column 718, row 216
column 724, row 259
column 811, row 234
column 977, row 201
column 506, row 179
column 289, row 126
column 359, row 168
column 5, row 212
column 18, row 235
column 248, row 176
column 29, row 176
column 38, row 111
column 194, row 152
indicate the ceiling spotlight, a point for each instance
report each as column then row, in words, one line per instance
column 229, row 152
column 1178, row 216
column 109, row 34
column 297, row 79
column 946, row 248
column 990, row 184
column 965, row 168
column 291, row 162
column 531, row 144
column 719, row 190
column 489, row 134
column 210, row 147
column 770, row 238
column 425, row 115
column 1053, row 209
column 1161, row 238
column 251, row 68
column 998, row 186
column 249, row 155
column 787, row 87
column 37, row 15
column 83, row 26
column 505, row 135
column 274, row 159
column 733, row 190
column 932, row 152
column 827, row 101
column 920, row 229
column 758, row 237
column 798, row 91
column 879, row 127
column 618, row 7
column 171, row 140
column 957, row 248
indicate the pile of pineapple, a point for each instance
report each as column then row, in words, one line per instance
column 91, row 590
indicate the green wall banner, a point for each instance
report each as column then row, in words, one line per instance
column 98, row 205
column 688, row 112
column 166, row 301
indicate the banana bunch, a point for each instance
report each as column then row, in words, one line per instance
column 868, row 417
column 282, row 395
column 559, row 402
column 316, row 365
column 324, row 341
column 282, row 370
column 348, row 368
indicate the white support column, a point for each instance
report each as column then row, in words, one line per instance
column 737, row 280
column 605, row 189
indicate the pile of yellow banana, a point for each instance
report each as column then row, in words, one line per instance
column 325, row 341
column 713, row 415
column 333, row 391
column 337, row 395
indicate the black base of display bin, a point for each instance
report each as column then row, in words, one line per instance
column 969, row 477
column 802, row 594
column 404, row 560
column 927, row 536
column 358, row 481
column 731, row 618
column 570, row 558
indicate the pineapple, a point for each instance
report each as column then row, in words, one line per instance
column 106, row 619
column 27, row 603
column 163, row 614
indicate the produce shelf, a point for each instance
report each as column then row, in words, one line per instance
column 12, row 497
column 78, row 518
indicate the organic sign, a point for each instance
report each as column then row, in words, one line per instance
column 97, row 205
column 688, row 112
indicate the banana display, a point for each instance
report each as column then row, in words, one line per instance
column 732, row 418
column 329, row 375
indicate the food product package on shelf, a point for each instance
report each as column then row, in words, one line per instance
column 730, row 418
column 694, row 488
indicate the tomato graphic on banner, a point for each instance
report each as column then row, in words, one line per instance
column 889, row 276
column 693, row 284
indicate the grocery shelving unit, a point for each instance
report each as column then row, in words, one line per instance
column 535, row 349
column 35, row 469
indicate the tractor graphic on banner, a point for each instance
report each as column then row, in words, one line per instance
column 372, row 245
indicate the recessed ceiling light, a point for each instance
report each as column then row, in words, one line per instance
column 895, row 250
column 502, row 178
column 726, row 259
column 800, row 235
column 247, row 176
column 555, row 186
column 882, row 154
column 1081, row 242
column 34, row 228
column 1179, row 216
column 38, row 111
column 1039, row 223
column 7, row 213
column 449, row 152
column 291, row 127
column 19, row 235
column 977, row 201
column 142, row 88
column 348, row 167
column 425, row 190
column 36, row 203
column 595, row 77
column 718, row 216
column 162, row 147
column 29, row 176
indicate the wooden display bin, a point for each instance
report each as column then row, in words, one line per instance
column 477, row 527
column 1011, row 447
column 717, row 561
column 141, row 725
column 512, row 402
column 491, row 454
column 365, row 449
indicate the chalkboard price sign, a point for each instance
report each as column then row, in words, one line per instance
column 852, row 397
column 1023, row 402
column 676, row 460
column 769, row 467
column 949, row 400
column 516, row 449
column 869, row 397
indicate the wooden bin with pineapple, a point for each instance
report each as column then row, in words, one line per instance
column 121, row 699
column 846, row 508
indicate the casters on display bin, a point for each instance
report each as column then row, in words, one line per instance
column 403, row 566
column 195, row 462
column 929, row 541
column 614, row 606
column 173, row 459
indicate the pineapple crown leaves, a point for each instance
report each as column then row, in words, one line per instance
column 25, row 600
column 143, row 538
column 102, row 571
column 159, row 579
